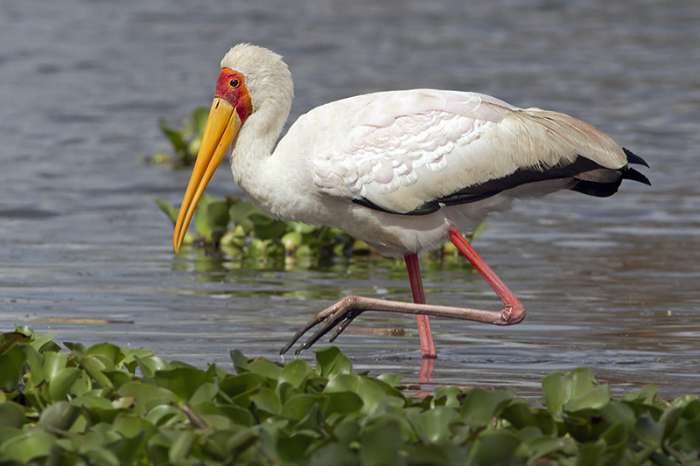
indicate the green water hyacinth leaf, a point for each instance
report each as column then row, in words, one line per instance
column 205, row 393
column 168, row 412
column 239, row 388
column 521, row 415
column 299, row 405
column 11, row 366
column 54, row 362
column 376, row 396
column 11, row 414
column 27, row 446
column 58, row 417
column 292, row 448
column 295, row 373
column 184, row 142
column 35, row 361
column 195, row 128
column 164, row 415
column 181, row 446
column 292, row 241
column 481, row 406
column 266, row 228
column 130, row 426
column 95, row 369
column 77, row 348
column 381, row 444
column 493, row 448
column 211, row 218
column 10, row 339
column 146, row 396
column 394, row 380
column 150, row 364
column 168, row 209
column 573, row 391
column 266, row 400
column 333, row 362
column 264, row 368
column 433, row 426
column 444, row 396
column 174, row 136
column 240, row 362
column 60, row 385
column 341, row 403
column 182, row 381
column 240, row 212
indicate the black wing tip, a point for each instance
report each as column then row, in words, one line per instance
column 425, row 209
column 592, row 188
column 634, row 158
column 632, row 174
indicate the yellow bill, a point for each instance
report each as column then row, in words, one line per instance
column 221, row 129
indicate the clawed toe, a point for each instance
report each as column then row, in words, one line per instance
column 339, row 321
column 341, row 316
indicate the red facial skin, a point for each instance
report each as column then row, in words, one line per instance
column 231, row 87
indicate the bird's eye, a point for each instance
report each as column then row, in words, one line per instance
column 234, row 83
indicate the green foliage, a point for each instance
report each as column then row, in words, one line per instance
column 106, row 405
column 243, row 231
column 184, row 141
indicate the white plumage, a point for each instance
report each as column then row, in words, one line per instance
column 404, row 148
column 402, row 170
column 397, row 149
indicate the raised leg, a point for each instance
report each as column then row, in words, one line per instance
column 513, row 311
column 427, row 346
column 342, row 313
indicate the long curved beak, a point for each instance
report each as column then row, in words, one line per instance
column 220, row 131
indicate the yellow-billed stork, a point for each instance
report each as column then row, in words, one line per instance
column 402, row 170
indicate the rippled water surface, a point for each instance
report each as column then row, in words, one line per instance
column 609, row 283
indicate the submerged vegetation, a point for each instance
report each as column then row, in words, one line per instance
column 110, row 405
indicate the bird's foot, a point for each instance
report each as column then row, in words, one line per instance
column 339, row 316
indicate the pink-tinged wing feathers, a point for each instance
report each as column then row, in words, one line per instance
column 402, row 149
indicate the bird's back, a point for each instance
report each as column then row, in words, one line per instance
column 401, row 150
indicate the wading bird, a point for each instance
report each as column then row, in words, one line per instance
column 402, row 170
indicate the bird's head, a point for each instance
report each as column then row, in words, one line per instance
column 253, row 82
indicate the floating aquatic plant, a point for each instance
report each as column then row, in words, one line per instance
column 184, row 141
column 108, row 405
column 241, row 230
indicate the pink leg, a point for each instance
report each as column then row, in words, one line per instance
column 427, row 346
column 513, row 311
column 342, row 313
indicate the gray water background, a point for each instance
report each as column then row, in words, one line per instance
column 610, row 283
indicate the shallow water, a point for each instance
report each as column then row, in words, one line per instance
column 611, row 284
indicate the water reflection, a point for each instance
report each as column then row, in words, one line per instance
column 610, row 284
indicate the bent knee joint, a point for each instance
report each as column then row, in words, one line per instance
column 512, row 315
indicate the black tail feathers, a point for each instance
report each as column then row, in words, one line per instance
column 596, row 189
column 603, row 186
column 634, row 158
column 629, row 173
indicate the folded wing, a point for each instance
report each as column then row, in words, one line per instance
column 413, row 152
